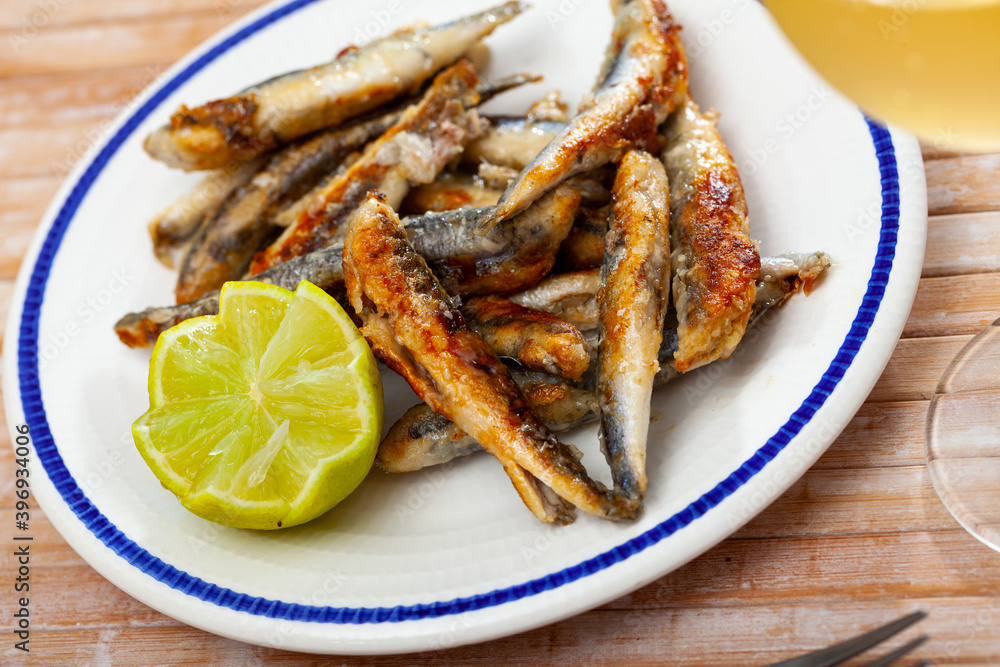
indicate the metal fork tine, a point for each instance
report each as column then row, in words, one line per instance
column 848, row 649
column 890, row 658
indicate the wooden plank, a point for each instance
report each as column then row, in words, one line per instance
column 752, row 572
column 880, row 435
column 954, row 305
column 67, row 596
column 916, row 367
column 19, row 16
column 870, row 501
column 932, row 152
column 96, row 46
column 962, row 244
column 51, row 100
column 851, row 568
column 32, row 152
column 6, row 293
column 719, row 637
column 47, row 544
column 963, row 184
column 22, row 203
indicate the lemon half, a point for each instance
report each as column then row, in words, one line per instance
column 266, row 415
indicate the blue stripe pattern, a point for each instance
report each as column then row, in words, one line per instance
column 48, row 453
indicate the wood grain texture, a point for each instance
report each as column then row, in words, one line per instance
column 963, row 184
column 860, row 539
column 962, row 244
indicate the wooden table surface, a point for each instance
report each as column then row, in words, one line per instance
column 861, row 539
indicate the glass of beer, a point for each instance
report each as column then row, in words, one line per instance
column 930, row 66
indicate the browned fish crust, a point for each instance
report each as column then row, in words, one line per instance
column 410, row 317
column 584, row 245
column 537, row 340
column 448, row 192
column 715, row 262
column 443, row 109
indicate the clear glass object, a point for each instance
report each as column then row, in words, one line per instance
column 930, row 66
column 962, row 436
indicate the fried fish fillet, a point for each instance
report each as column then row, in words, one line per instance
column 633, row 300
column 290, row 106
column 715, row 262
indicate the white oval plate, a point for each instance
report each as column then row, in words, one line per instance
column 450, row 556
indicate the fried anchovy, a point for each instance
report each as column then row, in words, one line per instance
column 322, row 268
column 174, row 226
column 412, row 324
column 413, row 151
column 287, row 107
column 487, row 90
column 633, row 299
column 644, row 78
column 509, row 258
column 535, row 339
column 226, row 243
column 422, row 438
column 715, row 262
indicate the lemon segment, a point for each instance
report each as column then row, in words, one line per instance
column 266, row 415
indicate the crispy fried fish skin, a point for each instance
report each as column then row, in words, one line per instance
column 535, row 339
column 227, row 241
column 572, row 296
column 715, row 262
column 644, row 79
column 414, row 150
column 424, row 438
column 174, row 226
column 322, row 268
column 511, row 141
column 487, row 90
column 633, row 300
column 449, row 366
column 584, row 245
column 511, row 257
column 447, row 192
column 293, row 105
